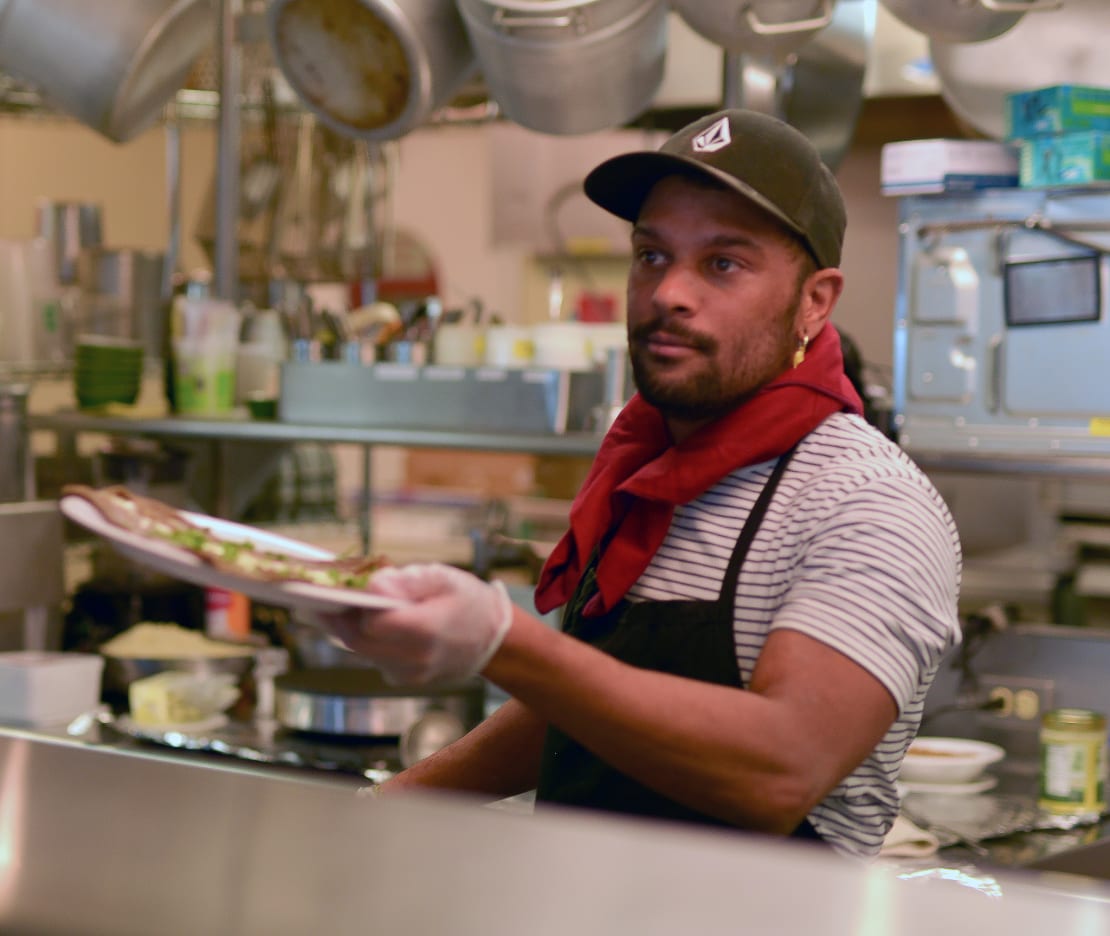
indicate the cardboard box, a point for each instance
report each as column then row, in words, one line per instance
column 1067, row 159
column 488, row 474
column 924, row 167
column 1057, row 109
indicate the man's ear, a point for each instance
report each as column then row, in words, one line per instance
column 820, row 293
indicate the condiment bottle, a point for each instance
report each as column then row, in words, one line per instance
column 1073, row 762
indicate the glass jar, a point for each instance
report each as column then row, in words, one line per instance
column 1073, row 762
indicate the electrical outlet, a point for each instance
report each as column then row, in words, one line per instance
column 1019, row 698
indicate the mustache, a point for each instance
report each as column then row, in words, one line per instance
column 661, row 326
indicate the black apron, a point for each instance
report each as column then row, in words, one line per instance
column 685, row 638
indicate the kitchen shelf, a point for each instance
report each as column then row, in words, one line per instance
column 221, row 433
column 1035, row 466
column 245, row 430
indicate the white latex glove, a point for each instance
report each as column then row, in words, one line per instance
column 449, row 631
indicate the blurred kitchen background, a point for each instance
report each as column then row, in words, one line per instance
column 456, row 235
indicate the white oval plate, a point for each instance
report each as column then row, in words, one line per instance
column 179, row 563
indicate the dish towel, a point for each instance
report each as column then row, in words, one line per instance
column 906, row 840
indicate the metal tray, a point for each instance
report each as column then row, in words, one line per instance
column 467, row 399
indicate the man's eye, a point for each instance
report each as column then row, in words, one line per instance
column 724, row 264
column 647, row 255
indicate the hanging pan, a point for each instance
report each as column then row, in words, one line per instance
column 372, row 69
column 112, row 64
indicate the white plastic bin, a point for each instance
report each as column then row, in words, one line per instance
column 42, row 688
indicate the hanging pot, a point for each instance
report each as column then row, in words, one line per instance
column 373, row 69
column 111, row 64
column 569, row 66
column 965, row 20
column 819, row 90
column 1065, row 48
column 768, row 28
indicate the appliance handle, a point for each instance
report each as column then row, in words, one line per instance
column 1022, row 6
column 506, row 21
column 994, row 377
column 820, row 21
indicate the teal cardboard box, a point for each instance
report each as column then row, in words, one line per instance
column 1067, row 159
column 1057, row 109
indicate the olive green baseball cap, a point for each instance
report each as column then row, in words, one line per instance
column 755, row 154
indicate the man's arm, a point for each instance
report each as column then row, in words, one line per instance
column 500, row 757
column 759, row 758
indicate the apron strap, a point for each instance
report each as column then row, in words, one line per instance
column 727, row 597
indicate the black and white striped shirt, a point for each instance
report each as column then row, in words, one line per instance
column 857, row 550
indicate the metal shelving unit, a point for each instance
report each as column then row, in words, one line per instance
column 230, row 439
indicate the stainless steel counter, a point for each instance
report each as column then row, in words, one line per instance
column 94, row 841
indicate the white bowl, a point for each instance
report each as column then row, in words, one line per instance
column 948, row 760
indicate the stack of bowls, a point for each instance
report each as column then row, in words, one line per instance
column 106, row 370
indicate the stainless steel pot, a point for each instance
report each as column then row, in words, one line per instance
column 965, row 20
column 358, row 701
column 773, row 28
column 373, row 69
column 1065, row 47
column 820, row 89
column 124, row 284
column 16, row 480
column 569, row 66
column 111, row 64
column 70, row 227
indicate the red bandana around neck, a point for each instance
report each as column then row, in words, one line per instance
column 639, row 476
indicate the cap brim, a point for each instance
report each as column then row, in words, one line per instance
column 620, row 185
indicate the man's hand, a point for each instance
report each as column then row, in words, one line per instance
column 449, row 631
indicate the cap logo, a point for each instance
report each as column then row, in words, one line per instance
column 714, row 138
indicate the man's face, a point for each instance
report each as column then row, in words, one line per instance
column 713, row 299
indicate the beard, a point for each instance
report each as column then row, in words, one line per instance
column 720, row 384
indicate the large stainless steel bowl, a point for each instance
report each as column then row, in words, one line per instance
column 1065, row 47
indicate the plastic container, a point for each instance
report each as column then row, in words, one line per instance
column 42, row 688
column 561, row 345
column 508, row 346
column 204, row 377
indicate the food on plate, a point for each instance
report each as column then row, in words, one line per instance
column 923, row 750
column 151, row 640
column 159, row 521
column 180, row 698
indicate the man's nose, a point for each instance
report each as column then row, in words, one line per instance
column 676, row 289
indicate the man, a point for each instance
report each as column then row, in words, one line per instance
column 758, row 585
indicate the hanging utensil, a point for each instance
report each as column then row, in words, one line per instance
column 295, row 224
column 260, row 178
column 356, row 260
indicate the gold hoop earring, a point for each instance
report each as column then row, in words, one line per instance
column 800, row 352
